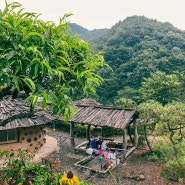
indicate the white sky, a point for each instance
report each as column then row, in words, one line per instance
column 95, row 14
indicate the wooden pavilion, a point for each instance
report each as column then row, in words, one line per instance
column 92, row 113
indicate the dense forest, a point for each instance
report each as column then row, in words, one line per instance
column 136, row 48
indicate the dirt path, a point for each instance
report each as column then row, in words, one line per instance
column 134, row 171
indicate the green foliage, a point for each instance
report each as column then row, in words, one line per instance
column 128, row 93
column 168, row 121
column 42, row 59
column 162, row 88
column 19, row 167
column 125, row 102
column 4, row 153
column 149, row 109
column 134, row 48
column 41, row 174
column 174, row 168
column 162, row 150
column 15, row 166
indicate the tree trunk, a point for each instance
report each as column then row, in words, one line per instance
column 88, row 133
column 124, row 145
column 129, row 134
column 146, row 138
column 175, row 152
column 136, row 135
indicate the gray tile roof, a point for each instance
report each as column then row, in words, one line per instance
column 92, row 113
column 15, row 113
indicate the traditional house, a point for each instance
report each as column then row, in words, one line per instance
column 20, row 128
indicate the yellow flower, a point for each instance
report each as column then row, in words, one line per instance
column 181, row 180
column 69, row 181
column 20, row 183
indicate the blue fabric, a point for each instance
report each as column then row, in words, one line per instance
column 94, row 143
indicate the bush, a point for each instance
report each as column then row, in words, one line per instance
column 19, row 168
column 161, row 151
column 174, row 168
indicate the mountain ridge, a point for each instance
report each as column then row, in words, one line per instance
column 134, row 48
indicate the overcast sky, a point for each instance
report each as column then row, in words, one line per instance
column 95, row 14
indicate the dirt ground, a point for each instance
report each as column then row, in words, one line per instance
column 136, row 170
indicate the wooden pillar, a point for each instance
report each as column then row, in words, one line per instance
column 102, row 132
column 136, row 135
column 124, row 145
column 88, row 133
column 72, row 137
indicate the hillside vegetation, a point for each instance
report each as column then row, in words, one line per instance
column 85, row 33
column 135, row 48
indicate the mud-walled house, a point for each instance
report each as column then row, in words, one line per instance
column 20, row 128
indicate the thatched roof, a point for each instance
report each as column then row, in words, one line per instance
column 98, row 115
column 15, row 113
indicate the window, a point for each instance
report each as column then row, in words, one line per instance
column 8, row 136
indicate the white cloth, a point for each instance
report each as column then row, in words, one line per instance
column 104, row 145
column 89, row 151
column 111, row 156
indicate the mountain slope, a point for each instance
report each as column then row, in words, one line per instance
column 85, row 33
column 134, row 48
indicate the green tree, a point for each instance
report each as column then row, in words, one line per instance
column 148, row 117
column 43, row 60
column 124, row 102
column 129, row 94
column 161, row 87
column 170, row 119
column 173, row 119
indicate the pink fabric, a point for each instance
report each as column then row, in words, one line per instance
column 105, row 155
column 100, row 152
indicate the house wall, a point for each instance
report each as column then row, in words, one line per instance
column 31, row 138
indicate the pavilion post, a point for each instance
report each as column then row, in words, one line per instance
column 88, row 133
column 72, row 137
column 124, row 145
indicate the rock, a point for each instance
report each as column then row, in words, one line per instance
column 175, row 179
column 107, row 164
column 141, row 178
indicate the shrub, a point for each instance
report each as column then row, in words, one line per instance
column 161, row 150
column 174, row 168
column 174, row 165
column 19, row 168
